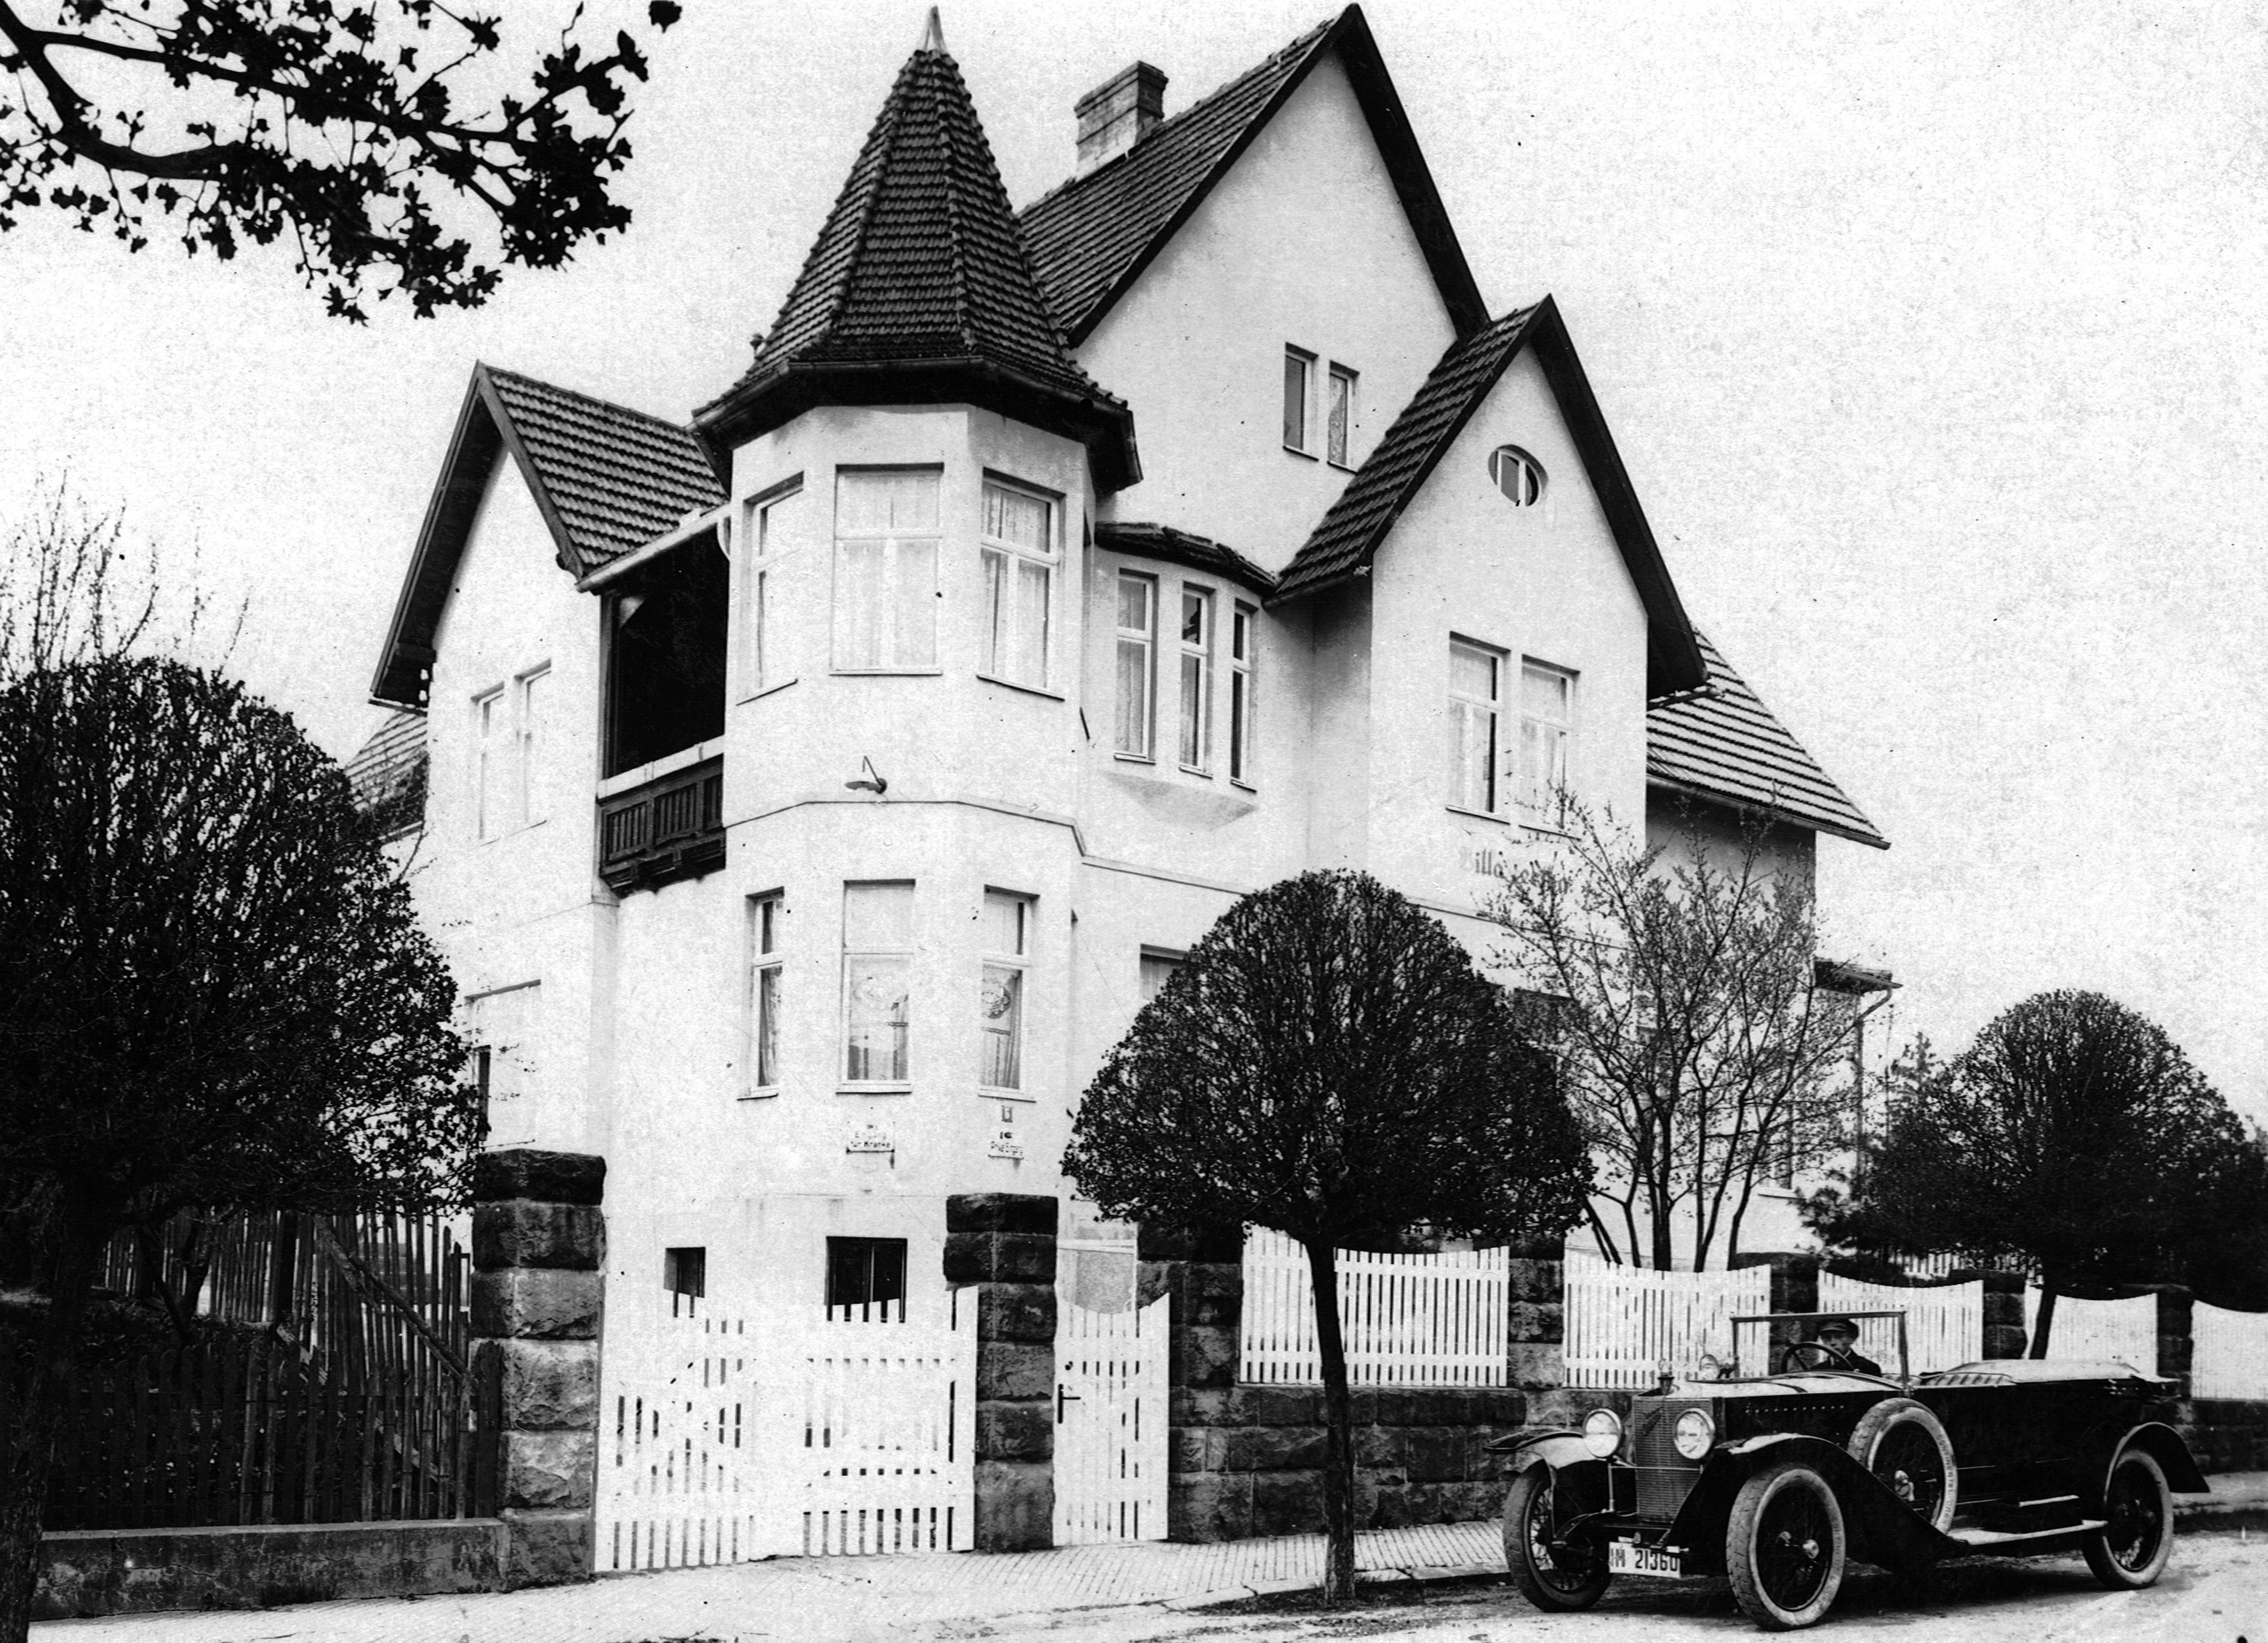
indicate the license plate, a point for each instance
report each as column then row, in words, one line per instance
column 1627, row 1557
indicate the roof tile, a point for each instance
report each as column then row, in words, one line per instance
column 1724, row 743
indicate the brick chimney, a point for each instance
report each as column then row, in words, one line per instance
column 1118, row 113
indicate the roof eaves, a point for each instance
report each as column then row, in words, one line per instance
column 440, row 540
column 1749, row 804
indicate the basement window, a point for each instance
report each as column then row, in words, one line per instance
column 685, row 1275
column 666, row 662
column 866, row 1280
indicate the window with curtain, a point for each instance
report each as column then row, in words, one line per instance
column 1019, row 558
column 1138, row 640
column 1196, row 679
column 885, row 546
column 1475, row 692
column 1007, row 953
column 765, row 914
column 1243, row 716
column 1299, row 385
column 1547, row 717
column 1338, row 424
column 877, row 981
column 776, row 525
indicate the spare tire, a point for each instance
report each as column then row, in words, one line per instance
column 1907, row 1450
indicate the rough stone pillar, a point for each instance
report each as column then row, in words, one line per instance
column 538, row 1255
column 1535, row 1337
column 2005, row 1336
column 1003, row 1245
column 1203, row 1268
column 2176, row 1348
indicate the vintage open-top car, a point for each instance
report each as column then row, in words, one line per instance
column 1775, row 1479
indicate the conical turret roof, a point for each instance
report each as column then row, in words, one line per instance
column 919, row 290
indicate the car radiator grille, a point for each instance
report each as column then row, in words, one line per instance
column 1664, row 1476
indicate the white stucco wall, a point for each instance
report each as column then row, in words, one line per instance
column 1298, row 244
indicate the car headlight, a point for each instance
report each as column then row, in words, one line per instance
column 1695, row 1432
column 1602, row 1432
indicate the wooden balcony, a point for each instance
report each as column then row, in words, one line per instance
column 670, row 827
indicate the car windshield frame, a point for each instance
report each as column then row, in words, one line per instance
column 1905, row 1377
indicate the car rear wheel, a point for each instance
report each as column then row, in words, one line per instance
column 2131, row 1549
column 1552, row 1574
column 1906, row 1448
column 1784, row 1547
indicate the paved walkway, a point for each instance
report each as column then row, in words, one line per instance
column 820, row 1598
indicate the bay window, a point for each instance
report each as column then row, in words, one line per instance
column 1137, row 637
column 877, row 982
column 1243, row 717
column 1019, row 556
column 1007, row 952
column 1196, row 679
column 886, row 548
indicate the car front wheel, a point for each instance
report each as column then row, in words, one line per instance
column 1552, row 1574
column 2131, row 1549
column 1784, row 1547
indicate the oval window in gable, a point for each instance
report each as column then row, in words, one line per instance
column 1517, row 474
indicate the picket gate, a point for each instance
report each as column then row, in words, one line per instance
column 726, row 1438
column 1110, row 1423
column 1623, row 1323
column 2229, row 1351
column 1407, row 1319
column 2126, row 1330
column 1945, row 1322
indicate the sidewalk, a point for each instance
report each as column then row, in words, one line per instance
column 857, row 1597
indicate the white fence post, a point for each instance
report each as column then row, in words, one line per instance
column 1623, row 1323
column 1407, row 1320
column 2230, row 1351
column 1945, row 1323
column 2126, row 1330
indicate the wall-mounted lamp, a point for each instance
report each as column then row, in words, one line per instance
column 870, row 782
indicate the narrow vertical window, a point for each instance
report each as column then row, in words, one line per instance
column 1243, row 715
column 765, row 912
column 771, row 537
column 886, row 544
column 1020, row 555
column 527, row 772
column 1338, row 427
column 1157, row 969
column 877, row 981
column 1007, row 950
column 1299, row 375
column 1138, row 636
column 1196, row 679
column 488, row 754
column 1547, row 717
column 1475, row 697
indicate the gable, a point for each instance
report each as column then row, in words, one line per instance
column 1092, row 239
column 604, row 478
column 1351, row 532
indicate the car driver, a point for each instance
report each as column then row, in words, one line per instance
column 1840, row 1338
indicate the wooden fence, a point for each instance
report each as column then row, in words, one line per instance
column 1407, row 1320
column 2229, row 1351
column 2126, row 1330
column 1945, row 1322
column 1623, row 1323
column 243, row 1430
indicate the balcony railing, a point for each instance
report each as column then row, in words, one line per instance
column 670, row 827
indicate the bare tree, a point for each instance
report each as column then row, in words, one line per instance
column 1680, row 987
column 1327, row 1063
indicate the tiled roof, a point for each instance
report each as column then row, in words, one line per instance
column 921, row 266
column 1086, row 235
column 388, row 772
column 612, row 477
column 1349, row 531
column 1725, row 744
column 1184, row 548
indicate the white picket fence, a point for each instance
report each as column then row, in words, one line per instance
column 1945, row 1323
column 725, row 1438
column 1623, row 1322
column 1407, row 1320
column 2126, row 1330
column 2228, row 1351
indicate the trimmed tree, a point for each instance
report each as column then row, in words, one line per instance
column 1680, row 987
column 213, row 994
column 1328, row 1063
column 2074, row 1136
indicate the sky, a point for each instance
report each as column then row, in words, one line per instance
column 1930, row 334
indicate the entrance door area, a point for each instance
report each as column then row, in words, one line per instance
column 1110, row 1424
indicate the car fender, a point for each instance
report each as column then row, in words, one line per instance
column 2163, row 1444
column 1554, row 1447
column 1883, row 1529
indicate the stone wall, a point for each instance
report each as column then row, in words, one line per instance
column 1000, row 1251
column 538, row 1255
column 1247, row 1460
column 133, row 1570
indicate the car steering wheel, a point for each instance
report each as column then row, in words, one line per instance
column 1809, row 1355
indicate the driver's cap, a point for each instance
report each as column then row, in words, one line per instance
column 1839, row 1325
